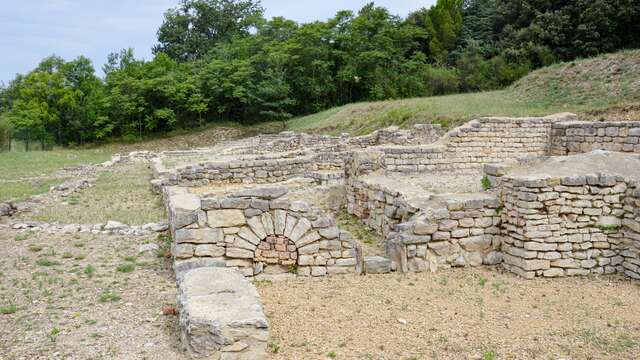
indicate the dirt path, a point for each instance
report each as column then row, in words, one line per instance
column 453, row 314
column 84, row 297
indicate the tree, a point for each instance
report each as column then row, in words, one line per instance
column 197, row 26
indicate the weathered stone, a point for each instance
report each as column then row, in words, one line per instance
column 237, row 253
column 279, row 221
column 300, row 229
column 377, row 265
column 225, row 218
column 263, row 193
column 216, row 307
column 199, row 236
column 208, row 250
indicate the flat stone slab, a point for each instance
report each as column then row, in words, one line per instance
column 597, row 161
column 377, row 265
column 221, row 315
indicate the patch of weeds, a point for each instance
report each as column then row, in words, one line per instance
column 9, row 309
column 607, row 228
column 67, row 255
column 499, row 286
column 53, row 334
column 91, row 322
column 80, row 257
column 332, row 354
column 126, row 268
column 263, row 282
column 23, row 236
column 130, row 258
column 78, row 244
column 89, row 270
column 73, row 200
column 499, row 209
column 46, row 262
column 486, row 183
column 489, row 355
column 274, row 346
column 109, row 296
column 35, row 248
column 293, row 270
column 483, row 280
column 443, row 281
column 95, row 335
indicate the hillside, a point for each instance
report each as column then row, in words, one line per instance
column 607, row 86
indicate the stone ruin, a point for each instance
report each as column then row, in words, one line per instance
column 541, row 197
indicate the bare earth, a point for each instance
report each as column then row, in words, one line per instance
column 65, row 311
column 471, row 313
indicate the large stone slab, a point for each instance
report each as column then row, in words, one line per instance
column 221, row 316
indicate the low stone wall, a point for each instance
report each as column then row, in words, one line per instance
column 481, row 141
column 377, row 206
column 258, row 232
column 563, row 226
column 581, row 137
column 631, row 232
column 452, row 232
column 221, row 315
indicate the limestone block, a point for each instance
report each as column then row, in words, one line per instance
column 226, row 218
column 237, row 253
column 302, row 226
column 279, row 221
column 221, row 315
column 199, row 236
column 377, row 265
column 208, row 250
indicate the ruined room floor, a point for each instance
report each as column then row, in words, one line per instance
column 75, row 297
column 470, row 313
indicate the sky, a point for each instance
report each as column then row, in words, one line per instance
column 33, row 29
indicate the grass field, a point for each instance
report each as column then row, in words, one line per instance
column 23, row 174
column 121, row 193
column 607, row 86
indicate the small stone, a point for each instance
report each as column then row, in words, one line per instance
column 148, row 247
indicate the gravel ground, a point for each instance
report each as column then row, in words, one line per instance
column 84, row 297
column 479, row 313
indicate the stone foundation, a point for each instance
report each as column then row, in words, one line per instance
column 258, row 232
column 581, row 137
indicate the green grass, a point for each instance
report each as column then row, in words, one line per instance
column 579, row 86
column 121, row 193
column 23, row 174
column 126, row 267
column 9, row 309
column 108, row 296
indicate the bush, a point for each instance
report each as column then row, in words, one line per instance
column 4, row 134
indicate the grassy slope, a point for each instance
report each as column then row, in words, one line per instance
column 606, row 86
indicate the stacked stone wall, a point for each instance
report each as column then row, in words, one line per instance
column 377, row 206
column 454, row 233
column 254, row 230
column 563, row 226
column 631, row 232
column 467, row 148
column 581, row 137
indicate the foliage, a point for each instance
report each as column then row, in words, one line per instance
column 218, row 60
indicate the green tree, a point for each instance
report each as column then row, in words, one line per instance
column 197, row 26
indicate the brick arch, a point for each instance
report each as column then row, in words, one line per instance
column 277, row 249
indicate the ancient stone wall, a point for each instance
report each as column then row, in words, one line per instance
column 450, row 233
column 631, row 232
column 563, row 226
column 377, row 206
column 467, row 148
column 580, row 137
column 259, row 233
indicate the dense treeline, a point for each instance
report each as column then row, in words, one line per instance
column 220, row 59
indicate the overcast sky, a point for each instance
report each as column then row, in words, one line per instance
column 33, row 29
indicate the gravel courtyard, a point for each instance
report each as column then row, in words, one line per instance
column 471, row 313
column 85, row 296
